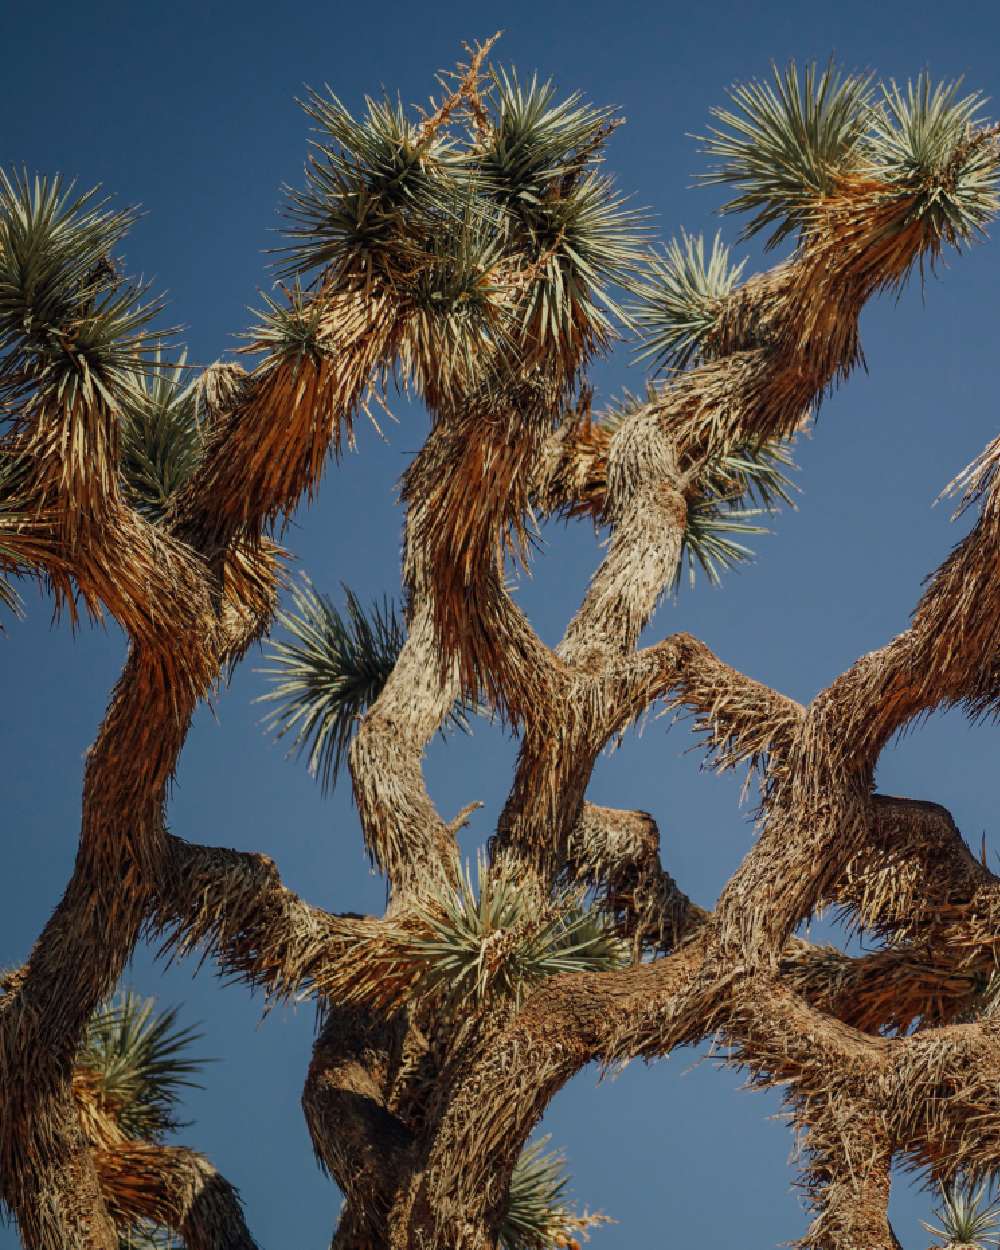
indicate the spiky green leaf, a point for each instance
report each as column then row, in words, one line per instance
column 139, row 1059
column 13, row 470
column 786, row 142
column 537, row 1215
column 367, row 182
column 680, row 301
column 498, row 938
column 162, row 440
column 70, row 324
column 717, row 515
column 327, row 673
column 925, row 140
column 966, row 1215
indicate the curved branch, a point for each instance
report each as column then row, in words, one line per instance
column 175, row 1188
column 404, row 834
column 820, row 805
column 617, row 854
column 357, row 1138
column 273, row 430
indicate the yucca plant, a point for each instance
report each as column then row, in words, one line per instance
column 679, row 301
column 368, row 182
column 752, row 475
column 498, row 938
column 461, row 296
column 476, row 255
column 923, row 138
column 162, row 438
column 536, row 1216
column 572, row 233
column 328, row 673
column 968, row 1218
column 786, row 141
column 70, row 324
column 535, row 138
column 289, row 328
column 137, row 1062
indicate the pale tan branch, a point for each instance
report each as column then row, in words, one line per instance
column 404, row 834
column 648, row 512
column 617, row 853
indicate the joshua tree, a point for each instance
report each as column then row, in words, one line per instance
column 475, row 253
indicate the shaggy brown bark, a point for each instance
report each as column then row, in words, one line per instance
column 419, row 1099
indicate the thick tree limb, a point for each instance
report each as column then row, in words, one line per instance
column 175, row 1188
column 232, row 906
column 361, row 1143
column 403, row 832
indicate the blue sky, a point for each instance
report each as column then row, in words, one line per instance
column 189, row 110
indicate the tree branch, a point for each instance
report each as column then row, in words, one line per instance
column 176, row 1189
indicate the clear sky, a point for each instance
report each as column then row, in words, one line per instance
column 189, row 109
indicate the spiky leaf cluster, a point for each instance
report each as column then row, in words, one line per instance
column 461, row 334
column 496, row 939
column 536, row 1216
column 788, row 143
column 925, row 141
column 680, row 300
column 718, row 511
column 70, row 325
column 535, row 139
column 538, row 161
column 368, row 182
column 138, row 1062
column 967, row 1216
column 290, row 329
column 490, row 231
column 162, row 439
column 328, row 672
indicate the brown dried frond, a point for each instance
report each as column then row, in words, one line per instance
column 73, row 448
column 467, row 497
column 617, row 854
column 741, row 720
column 218, row 389
column 914, row 871
column 289, row 414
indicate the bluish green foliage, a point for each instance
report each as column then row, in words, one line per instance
column 967, row 1216
column 162, row 439
column 786, row 141
column 679, row 302
column 140, row 1062
column 922, row 141
column 70, row 324
column 328, row 672
column 497, row 939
